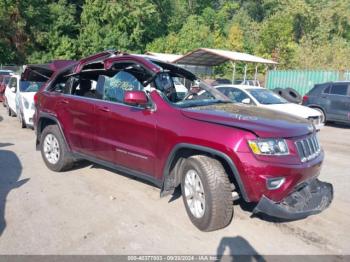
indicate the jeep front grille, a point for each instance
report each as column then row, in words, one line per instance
column 308, row 148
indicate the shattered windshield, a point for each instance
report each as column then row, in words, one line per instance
column 182, row 88
column 183, row 92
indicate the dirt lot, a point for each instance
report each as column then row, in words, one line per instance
column 92, row 210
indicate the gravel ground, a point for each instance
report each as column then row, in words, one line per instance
column 93, row 210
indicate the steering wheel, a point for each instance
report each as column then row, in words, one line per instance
column 192, row 95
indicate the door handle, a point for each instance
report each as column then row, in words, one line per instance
column 64, row 101
column 104, row 109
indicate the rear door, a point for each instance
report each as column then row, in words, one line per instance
column 76, row 115
column 339, row 107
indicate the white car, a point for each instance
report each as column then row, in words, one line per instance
column 25, row 107
column 19, row 98
column 262, row 97
column 10, row 95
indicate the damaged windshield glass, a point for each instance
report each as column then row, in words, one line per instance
column 183, row 92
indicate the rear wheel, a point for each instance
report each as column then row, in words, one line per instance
column 54, row 150
column 207, row 193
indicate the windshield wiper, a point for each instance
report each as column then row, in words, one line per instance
column 206, row 103
column 224, row 101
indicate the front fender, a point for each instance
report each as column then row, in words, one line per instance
column 169, row 182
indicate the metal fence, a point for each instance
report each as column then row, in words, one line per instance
column 302, row 80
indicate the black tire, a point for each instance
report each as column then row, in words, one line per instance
column 21, row 120
column 65, row 160
column 292, row 95
column 9, row 111
column 277, row 90
column 217, row 189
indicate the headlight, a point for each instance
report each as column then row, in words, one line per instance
column 26, row 103
column 269, row 147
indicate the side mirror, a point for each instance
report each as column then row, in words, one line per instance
column 13, row 89
column 135, row 98
column 246, row 101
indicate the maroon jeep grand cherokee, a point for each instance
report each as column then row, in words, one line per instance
column 131, row 113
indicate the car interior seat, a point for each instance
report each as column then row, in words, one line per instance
column 84, row 88
column 100, row 86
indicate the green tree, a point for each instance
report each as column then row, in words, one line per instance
column 193, row 34
column 235, row 39
column 277, row 39
column 330, row 55
column 20, row 23
column 58, row 41
column 125, row 25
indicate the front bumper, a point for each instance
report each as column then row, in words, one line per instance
column 28, row 116
column 308, row 199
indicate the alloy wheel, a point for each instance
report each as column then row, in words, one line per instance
column 51, row 149
column 194, row 193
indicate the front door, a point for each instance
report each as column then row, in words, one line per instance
column 126, row 135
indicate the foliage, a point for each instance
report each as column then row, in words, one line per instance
column 296, row 33
column 57, row 40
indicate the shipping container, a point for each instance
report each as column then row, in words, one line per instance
column 302, row 80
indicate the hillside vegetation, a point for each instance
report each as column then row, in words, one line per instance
column 313, row 34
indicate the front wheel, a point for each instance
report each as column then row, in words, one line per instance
column 207, row 193
column 54, row 150
column 9, row 111
column 21, row 120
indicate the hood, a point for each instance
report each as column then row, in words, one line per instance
column 294, row 109
column 263, row 122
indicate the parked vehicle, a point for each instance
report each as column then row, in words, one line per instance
column 6, row 72
column 33, row 77
column 25, row 102
column 331, row 99
column 10, row 95
column 4, row 79
column 214, row 149
column 264, row 98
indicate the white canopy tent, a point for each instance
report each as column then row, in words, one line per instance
column 170, row 58
column 214, row 57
